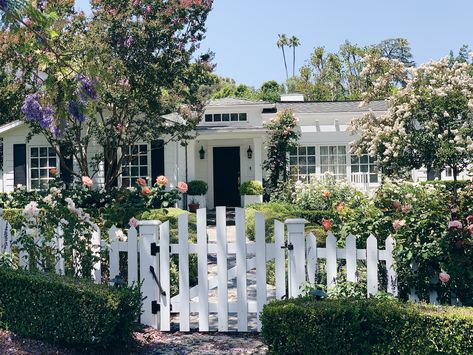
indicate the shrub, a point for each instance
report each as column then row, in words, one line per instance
column 197, row 187
column 65, row 311
column 251, row 187
column 356, row 326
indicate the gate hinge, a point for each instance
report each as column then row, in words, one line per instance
column 155, row 307
column 155, row 250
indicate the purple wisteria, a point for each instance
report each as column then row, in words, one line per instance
column 4, row 5
column 34, row 112
column 75, row 109
column 86, row 89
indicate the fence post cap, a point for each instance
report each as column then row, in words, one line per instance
column 295, row 221
column 149, row 223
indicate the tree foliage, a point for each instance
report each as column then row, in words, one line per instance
column 270, row 91
column 338, row 76
column 110, row 78
column 429, row 122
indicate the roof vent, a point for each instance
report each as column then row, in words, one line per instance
column 295, row 97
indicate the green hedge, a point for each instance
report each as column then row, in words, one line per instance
column 283, row 211
column 251, row 187
column 372, row 326
column 67, row 312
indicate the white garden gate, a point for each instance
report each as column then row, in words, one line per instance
column 290, row 243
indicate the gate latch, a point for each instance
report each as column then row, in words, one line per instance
column 287, row 246
column 161, row 291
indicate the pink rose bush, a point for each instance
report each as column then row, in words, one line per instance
column 444, row 277
column 87, row 181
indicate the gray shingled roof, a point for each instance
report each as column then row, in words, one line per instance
column 335, row 106
column 229, row 101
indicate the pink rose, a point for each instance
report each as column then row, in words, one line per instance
column 133, row 222
column 146, row 191
column 162, row 180
column 326, row 224
column 406, row 208
column 87, row 181
column 182, row 187
column 455, row 225
column 470, row 229
column 444, row 277
column 397, row 205
column 398, row 223
column 469, row 219
column 141, row 181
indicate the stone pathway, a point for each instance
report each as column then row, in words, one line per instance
column 232, row 290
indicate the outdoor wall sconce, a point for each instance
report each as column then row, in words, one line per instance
column 249, row 152
column 202, row 152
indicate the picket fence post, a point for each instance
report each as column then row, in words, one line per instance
column 296, row 255
column 148, row 235
column 203, row 279
column 242, row 296
column 222, row 270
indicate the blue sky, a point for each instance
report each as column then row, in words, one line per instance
column 243, row 33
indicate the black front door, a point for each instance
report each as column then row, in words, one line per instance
column 226, row 176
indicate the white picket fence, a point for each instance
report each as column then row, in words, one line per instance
column 149, row 251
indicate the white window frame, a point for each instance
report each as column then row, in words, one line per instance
column 298, row 174
column 133, row 178
column 369, row 164
column 29, row 165
column 221, row 117
column 338, row 176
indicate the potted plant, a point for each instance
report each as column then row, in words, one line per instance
column 196, row 192
column 252, row 192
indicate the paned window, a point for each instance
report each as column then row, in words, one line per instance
column 42, row 160
column 334, row 159
column 302, row 162
column 364, row 164
column 136, row 165
column 226, row 117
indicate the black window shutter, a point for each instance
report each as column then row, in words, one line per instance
column 66, row 175
column 157, row 159
column 19, row 164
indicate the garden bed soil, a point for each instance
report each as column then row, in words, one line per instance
column 151, row 341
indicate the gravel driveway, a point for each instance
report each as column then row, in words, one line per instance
column 151, row 341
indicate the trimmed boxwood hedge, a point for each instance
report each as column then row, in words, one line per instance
column 372, row 326
column 67, row 312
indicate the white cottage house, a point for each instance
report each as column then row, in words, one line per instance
column 229, row 149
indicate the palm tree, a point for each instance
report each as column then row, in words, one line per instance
column 281, row 43
column 294, row 42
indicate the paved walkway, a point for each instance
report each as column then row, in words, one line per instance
column 232, row 290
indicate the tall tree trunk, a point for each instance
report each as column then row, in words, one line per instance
column 293, row 61
column 285, row 62
column 433, row 174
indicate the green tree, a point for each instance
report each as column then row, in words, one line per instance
column 270, row 91
column 340, row 75
column 429, row 122
column 110, row 78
